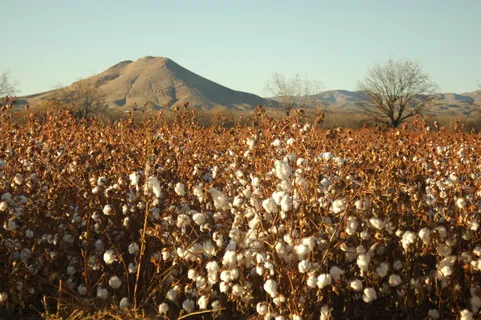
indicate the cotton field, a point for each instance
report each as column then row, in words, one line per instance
column 275, row 220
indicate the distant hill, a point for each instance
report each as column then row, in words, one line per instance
column 161, row 80
column 451, row 104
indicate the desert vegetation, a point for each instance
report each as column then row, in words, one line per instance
column 277, row 219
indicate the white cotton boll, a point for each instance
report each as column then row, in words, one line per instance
column 261, row 308
column 124, row 303
column 238, row 201
column 101, row 181
column 108, row 210
column 115, row 282
column 466, row 315
column 199, row 218
column 475, row 303
column 191, row 274
column 172, row 295
column 180, row 189
column 220, row 200
column 270, row 286
column 102, row 293
column 338, row 206
column 304, row 266
column 154, row 185
column 383, row 269
column 434, row 314
column 443, row 250
column 270, row 205
column 286, row 203
column 474, row 226
column 82, row 290
column 3, row 206
column 336, row 273
column 203, row 302
column 325, row 312
column 310, row 242
column 18, row 179
column 369, row 295
column 351, row 226
column 134, row 178
column 461, row 203
column 282, row 170
column 110, row 256
column 425, row 235
column 163, row 308
column 356, row 285
column 377, row 223
column 302, row 251
column 133, row 248
column 397, row 265
column 363, row 261
column 394, row 280
column 290, row 141
column 132, row 268
column 408, row 238
column 441, row 231
column 237, row 290
column 276, row 143
column 324, row 280
column 312, row 281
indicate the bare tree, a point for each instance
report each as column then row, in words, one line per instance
column 7, row 87
column 396, row 91
column 83, row 98
column 295, row 92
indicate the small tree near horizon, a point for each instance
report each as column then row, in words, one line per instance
column 396, row 91
column 295, row 92
column 7, row 87
column 84, row 98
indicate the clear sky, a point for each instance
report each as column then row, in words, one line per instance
column 238, row 44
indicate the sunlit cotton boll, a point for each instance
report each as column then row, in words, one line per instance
column 269, row 205
column 304, row 266
column 163, row 308
column 102, row 293
column 324, row 280
column 203, row 302
column 220, row 200
column 199, row 218
column 114, row 282
column 338, row 206
column 461, row 203
column 282, row 169
column 394, row 280
column 180, row 189
column 352, row 224
column 363, row 261
column 377, row 223
column 425, row 235
column 110, row 256
column 108, row 210
column 154, row 185
column 270, row 286
column 356, row 285
column 261, row 308
column 369, row 295
column 325, row 313
column 466, row 315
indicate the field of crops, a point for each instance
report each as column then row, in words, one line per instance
column 276, row 220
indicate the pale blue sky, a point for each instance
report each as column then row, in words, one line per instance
column 240, row 43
